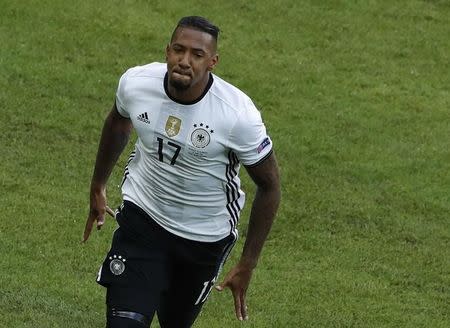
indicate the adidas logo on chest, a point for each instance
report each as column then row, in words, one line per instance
column 143, row 118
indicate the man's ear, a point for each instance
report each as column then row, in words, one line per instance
column 167, row 51
column 214, row 62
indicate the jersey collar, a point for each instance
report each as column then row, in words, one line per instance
column 208, row 86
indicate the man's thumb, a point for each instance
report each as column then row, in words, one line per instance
column 100, row 222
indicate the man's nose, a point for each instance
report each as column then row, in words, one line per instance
column 185, row 60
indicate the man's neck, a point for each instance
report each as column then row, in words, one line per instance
column 185, row 96
column 191, row 95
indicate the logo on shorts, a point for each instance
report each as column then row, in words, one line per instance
column 117, row 264
column 201, row 136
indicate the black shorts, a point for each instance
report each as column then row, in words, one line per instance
column 149, row 269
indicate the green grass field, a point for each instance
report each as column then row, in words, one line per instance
column 356, row 96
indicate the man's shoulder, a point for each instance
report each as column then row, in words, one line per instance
column 230, row 94
column 151, row 70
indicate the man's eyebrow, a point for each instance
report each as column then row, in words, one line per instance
column 183, row 46
column 199, row 50
column 177, row 45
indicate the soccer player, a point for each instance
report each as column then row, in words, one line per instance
column 181, row 188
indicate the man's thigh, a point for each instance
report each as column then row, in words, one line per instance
column 193, row 275
column 134, row 274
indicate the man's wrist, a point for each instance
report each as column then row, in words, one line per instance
column 247, row 264
column 97, row 188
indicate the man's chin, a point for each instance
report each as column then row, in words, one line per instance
column 180, row 82
column 180, row 85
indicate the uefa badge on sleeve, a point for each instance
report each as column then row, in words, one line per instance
column 263, row 145
column 117, row 264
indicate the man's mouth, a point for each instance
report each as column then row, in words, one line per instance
column 181, row 73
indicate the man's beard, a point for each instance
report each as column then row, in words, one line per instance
column 179, row 85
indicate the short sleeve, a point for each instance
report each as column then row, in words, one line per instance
column 120, row 97
column 249, row 139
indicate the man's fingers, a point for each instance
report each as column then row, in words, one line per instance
column 238, row 305
column 110, row 212
column 86, row 234
column 236, row 296
column 100, row 221
column 223, row 285
column 243, row 307
column 88, row 229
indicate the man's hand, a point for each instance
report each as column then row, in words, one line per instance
column 238, row 280
column 267, row 197
column 115, row 134
column 97, row 211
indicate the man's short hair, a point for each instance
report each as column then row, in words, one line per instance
column 198, row 23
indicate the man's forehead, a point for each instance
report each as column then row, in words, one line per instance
column 192, row 37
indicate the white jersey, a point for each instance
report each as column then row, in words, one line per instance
column 184, row 169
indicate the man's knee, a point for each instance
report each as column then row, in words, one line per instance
column 177, row 319
column 117, row 318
